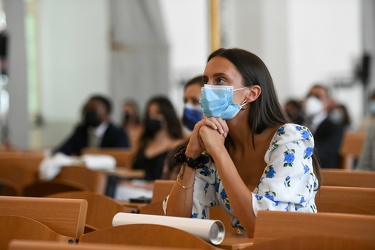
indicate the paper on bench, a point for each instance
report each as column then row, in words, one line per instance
column 212, row 231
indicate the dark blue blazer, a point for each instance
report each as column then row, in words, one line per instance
column 114, row 137
column 327, row 138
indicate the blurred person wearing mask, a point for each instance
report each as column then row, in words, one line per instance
column 131, row 121
column 339, row 115
column 192, row 108
column 327, row 134
column 95, row 130
column 293, row 109
column 162, row 132
column 192, row 114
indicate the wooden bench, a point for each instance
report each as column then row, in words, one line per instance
column 64, row 216
column 47, row 245
column 146, row 235
column 19, row 227
column 351, row 148
column 101, row 209
column 348, row 178
column 351, row 200
column 272, row 225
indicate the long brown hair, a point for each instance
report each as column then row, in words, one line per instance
column 265, row 111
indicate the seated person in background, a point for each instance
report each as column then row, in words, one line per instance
column 294, row 110
column 192, row 108
column 327, row 134
column 131, row 121
column 192, row 114
column 367, row 158
column 95, row 129
column 370, row 118
column 339, row 115
column 162, row 132
column 245, row 142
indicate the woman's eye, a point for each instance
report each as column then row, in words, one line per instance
column 220, row 80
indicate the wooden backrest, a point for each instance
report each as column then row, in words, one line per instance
column 348, row 178
column 20, row 168
column 9, row 188
column 19, row 227
column 101, row 209
column 124, row 157
column 276, row 224
column 94, row 181
column 42, row 189
column 48, row 245
column 351, row 200
column 64, row 216
column 310, row 242
column 146, row 235
column 161, row 189
column 351, row 148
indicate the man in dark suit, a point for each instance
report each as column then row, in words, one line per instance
column 95, row 130
column 327, row 134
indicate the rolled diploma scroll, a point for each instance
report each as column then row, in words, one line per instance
column 212, row 231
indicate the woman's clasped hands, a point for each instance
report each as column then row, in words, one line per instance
column 207, row 134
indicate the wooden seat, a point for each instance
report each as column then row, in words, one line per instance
column 351, row 200
column 20, row 168
column 146, row 235
column 162, row 188
column 42, row 189
column 48, row 245
column 310, row 242
column 9, row 188
column 124, row 157
column 101, row 209
column 348, row 178
column 94, row 181
column 351, row 148
column 64, row 216
column 276, row 224
column 20, row 227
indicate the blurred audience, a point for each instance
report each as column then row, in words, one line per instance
column 192, row 109
column 131, row 121
column 191, row 115
column 370, row 119
column 339, row 115
column 367, row 158
column 327, row 134
column 162, row 132
column 294, row 110
column 95, row 129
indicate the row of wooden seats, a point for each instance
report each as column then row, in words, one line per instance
column 273, row 226
column 108, row 231
column 19, row 173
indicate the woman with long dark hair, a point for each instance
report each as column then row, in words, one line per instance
column 245, row 155
column 162, row 132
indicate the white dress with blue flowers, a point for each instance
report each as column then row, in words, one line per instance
column 287, row 183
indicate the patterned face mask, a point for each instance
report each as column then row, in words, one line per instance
column 217, row 101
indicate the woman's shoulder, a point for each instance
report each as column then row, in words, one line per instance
column 291, row 132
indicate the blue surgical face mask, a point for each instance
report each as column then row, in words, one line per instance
column 192, row 115
column 217, row 101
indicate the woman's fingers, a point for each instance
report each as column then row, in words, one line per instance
column 216, row 123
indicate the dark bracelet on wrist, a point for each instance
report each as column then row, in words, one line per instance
column 192, row 163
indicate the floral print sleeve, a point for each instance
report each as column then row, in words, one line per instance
column 288, row 181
